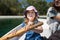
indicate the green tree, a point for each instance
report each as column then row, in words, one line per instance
column 9, row 7
column 13, row 7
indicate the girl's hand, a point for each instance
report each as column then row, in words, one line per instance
column 3, row 39
column 28, row 25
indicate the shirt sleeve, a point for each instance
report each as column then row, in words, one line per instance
column 51, row 12
column 20, row 26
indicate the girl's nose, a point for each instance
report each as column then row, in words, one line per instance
column 31, row 15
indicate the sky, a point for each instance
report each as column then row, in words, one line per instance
column 46, row 0
column 49, row 0
column 25, row 1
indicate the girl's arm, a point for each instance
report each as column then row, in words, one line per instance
column 38, row 29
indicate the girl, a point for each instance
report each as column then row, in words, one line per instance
column 31, row 16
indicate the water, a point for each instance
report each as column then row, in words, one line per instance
column 8, row 24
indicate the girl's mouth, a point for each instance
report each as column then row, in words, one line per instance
column 30, row 15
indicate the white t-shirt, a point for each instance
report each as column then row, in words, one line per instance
column 53, row 23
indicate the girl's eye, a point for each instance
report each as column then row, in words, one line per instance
column 32, row 12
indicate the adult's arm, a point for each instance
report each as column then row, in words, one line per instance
column 57, row 18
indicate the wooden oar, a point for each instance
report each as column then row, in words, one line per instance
column 21, row 31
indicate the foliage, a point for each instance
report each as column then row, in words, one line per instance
column 15, row 7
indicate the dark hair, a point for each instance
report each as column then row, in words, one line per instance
column 55, row 7
column 25, row 13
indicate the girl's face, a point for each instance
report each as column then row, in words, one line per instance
column 31, row 15
column 57, row 3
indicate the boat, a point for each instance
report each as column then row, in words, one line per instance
column 45, row 32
